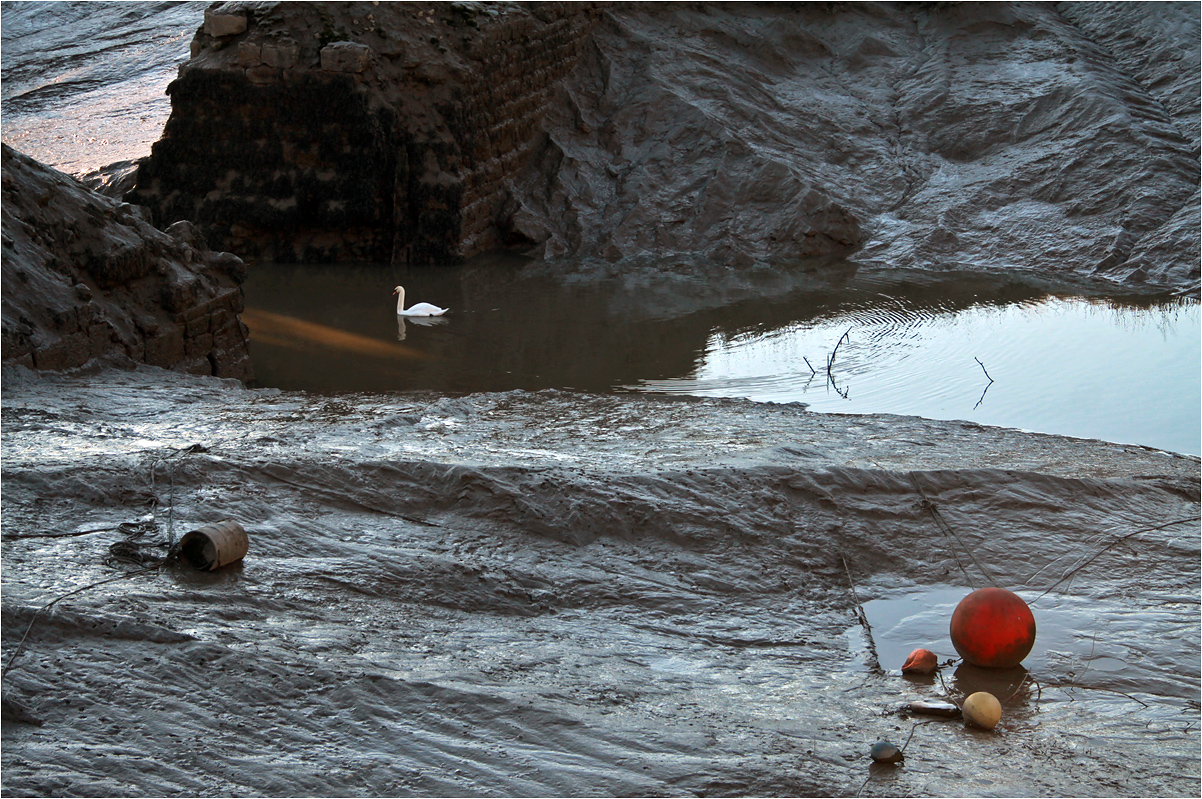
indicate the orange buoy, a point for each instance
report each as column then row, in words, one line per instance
column 994, row 628
column 921, row 661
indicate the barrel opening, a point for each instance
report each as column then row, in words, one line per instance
column 197, row 550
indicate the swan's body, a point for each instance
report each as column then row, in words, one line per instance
column 419, row 309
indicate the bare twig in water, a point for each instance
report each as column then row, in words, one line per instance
column 945, row 528
column 830, row 363
column 1073, row 571
column 987, row 385
column 978, row 360
column 813, row 371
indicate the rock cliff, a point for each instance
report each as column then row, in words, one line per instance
column 86, row 276
column 353, row 131
column 1055, row 138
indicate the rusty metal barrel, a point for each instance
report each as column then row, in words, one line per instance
column 214, row 545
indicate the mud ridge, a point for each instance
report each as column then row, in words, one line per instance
column 450, row 596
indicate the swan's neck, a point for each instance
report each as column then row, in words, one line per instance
column 400, row 300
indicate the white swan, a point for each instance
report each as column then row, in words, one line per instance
column 420, row 309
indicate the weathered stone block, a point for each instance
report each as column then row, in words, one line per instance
column 249, row 54
column 345, row 57
column 224, row 24
column 281, row 56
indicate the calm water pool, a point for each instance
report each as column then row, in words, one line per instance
column 989, row 349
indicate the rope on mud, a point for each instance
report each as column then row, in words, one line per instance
column 55, row 601
column 133, row 550
column 945, row 528
column 1073, row 571
column 917, row 724
column 861, row 616
column 130, row 550
column 332, row 494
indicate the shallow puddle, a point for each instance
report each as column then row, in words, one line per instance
column 982, row 348
column 1081, row 643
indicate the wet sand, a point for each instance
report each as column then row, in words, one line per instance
column 551, row 593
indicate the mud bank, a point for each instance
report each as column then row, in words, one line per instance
column 566, row 594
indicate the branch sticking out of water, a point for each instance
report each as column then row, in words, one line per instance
column 978, row 360
column 830, row 363
column 987, row 385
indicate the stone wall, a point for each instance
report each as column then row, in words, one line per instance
column 313, row 132
column 85, row 276
column 499, row 117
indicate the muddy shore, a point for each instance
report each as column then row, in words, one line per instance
column 567, row 594
column 561, row 593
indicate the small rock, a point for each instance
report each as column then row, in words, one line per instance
column 886, row 752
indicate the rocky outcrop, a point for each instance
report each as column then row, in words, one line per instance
column 1054, row 138
column 354, row 131
column 85, row 277
column 968, row 136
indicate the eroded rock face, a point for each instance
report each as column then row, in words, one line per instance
column 354, row 131
column 1056, row 138
column 978, row 136
column 86, row 277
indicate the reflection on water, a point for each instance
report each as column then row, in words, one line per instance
column 289, row 332
column 982, row 348
column 1079, row 641
column 420, row 321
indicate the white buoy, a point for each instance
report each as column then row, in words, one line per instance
column 982, row 710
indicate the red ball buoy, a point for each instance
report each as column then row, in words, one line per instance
column 993, row 627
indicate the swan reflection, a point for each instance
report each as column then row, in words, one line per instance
column 423, row 321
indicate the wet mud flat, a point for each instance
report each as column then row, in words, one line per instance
column 551, row 593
